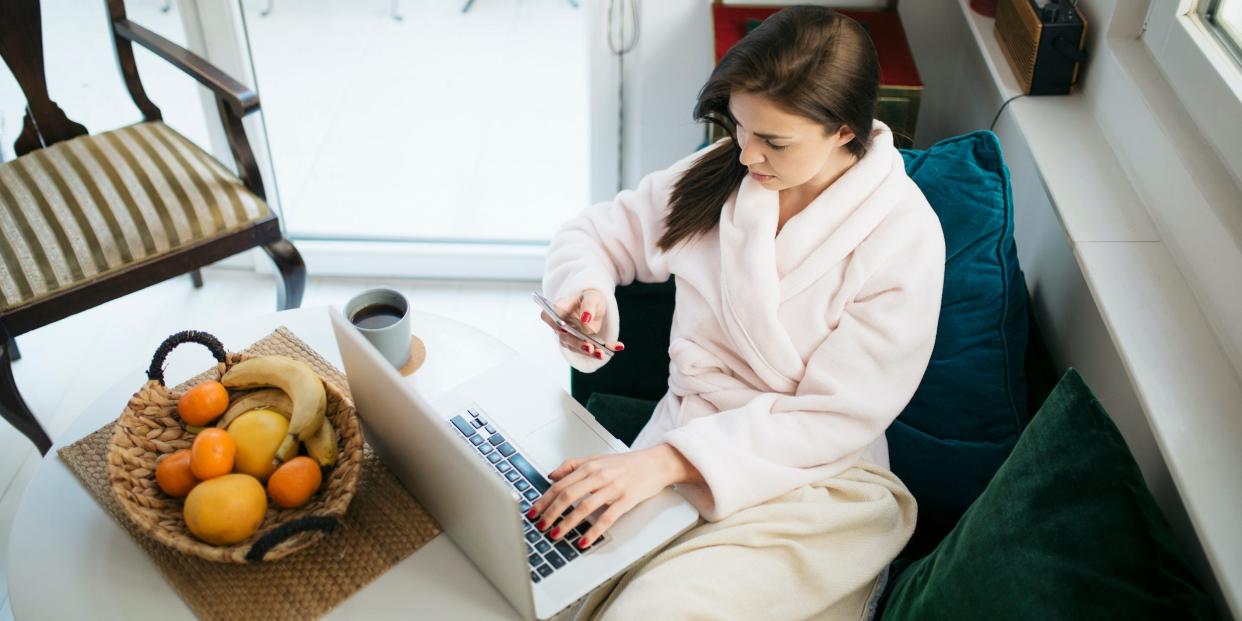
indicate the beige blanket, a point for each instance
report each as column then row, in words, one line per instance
column 817, row 552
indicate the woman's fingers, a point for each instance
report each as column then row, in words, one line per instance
column 566, row 307
column 573, row 343
column 569, row 466
column 564, row 492
column 587, row 506
column 564, row 476
column 587, row 310
column 551, row 323
column 614, row 512
column 590, row 312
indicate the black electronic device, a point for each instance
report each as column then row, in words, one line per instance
column 1043, row 42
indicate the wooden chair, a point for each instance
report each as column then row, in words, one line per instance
column 85, row 219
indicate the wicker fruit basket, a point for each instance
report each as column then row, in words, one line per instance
column 150, row 428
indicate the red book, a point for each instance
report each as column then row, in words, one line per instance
column 897, row 68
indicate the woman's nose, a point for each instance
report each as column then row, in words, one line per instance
column 749, row 156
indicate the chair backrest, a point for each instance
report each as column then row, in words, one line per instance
column 21, row 45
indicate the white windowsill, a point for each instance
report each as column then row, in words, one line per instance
column 419, row 260
column 1186, row 383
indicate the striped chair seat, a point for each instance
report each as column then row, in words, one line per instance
column 84, row 208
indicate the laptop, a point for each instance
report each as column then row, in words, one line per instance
column 477, row 456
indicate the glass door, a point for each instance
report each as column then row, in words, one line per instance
column 423, row 122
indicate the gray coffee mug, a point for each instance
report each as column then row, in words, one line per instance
column 392, row 341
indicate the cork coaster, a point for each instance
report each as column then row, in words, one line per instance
column 384, row 524
column 418, row 355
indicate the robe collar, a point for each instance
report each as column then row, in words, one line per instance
column 760, row 270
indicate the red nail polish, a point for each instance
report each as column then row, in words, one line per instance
column 599, row 354
column 620, row 347
column 582, row 543
column 532, row 513
column 586, row 317
column 555, row 532
column 541, row 525
column 585, row 348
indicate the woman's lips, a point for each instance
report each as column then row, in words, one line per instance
column 761, row 178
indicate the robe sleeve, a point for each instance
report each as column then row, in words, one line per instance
column 613, row 243
column 857, row 381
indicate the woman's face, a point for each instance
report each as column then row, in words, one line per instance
column 784, row 150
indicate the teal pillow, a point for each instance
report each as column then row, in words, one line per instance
column 971, row 404
column 1066, row 530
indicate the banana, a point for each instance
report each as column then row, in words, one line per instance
column 273, row 399
column 322, row 446
column 287, row 450
column 298, row 380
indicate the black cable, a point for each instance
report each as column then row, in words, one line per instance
column 996, row 118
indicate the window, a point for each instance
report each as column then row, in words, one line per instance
column 1188, row 42
column 1225, row 18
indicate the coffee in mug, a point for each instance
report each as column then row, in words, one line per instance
column 383, row 316
column 376, row 316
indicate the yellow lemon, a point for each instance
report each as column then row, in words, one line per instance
column 226, row 509
column 258, row 435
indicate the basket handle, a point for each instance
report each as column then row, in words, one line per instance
column 278, row 535
column 156, row 370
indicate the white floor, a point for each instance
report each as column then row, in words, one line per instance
column 66, row 365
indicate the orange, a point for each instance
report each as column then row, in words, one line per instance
column 225, row 510
column 212, row 453
column 203, row 403
column 294, row 482
column 174, row 476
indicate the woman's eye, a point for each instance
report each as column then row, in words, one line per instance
column 778, row 147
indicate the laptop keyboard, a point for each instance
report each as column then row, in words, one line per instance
column 544, row 555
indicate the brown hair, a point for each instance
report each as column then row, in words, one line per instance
column 811, row 61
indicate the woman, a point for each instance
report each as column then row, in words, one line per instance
column 809, row 271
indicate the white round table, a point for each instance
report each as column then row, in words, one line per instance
column 68, row 559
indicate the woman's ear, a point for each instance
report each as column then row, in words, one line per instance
column 844, row 135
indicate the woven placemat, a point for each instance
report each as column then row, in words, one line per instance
column 384, row 525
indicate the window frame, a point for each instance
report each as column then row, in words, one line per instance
column 1231, row 41
column 1203, row 72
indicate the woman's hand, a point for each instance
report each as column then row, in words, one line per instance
column 619, row 481
column 585, row 310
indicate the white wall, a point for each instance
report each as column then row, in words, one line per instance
column 663, row 75
column 669, row 63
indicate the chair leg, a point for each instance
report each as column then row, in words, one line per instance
column 197, row 278
column 15, row 354
column 291, row 271
column 14, row 408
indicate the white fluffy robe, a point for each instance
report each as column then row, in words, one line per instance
column 791, row 353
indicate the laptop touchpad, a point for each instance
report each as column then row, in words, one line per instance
column 560, row 439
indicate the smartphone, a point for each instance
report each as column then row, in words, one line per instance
column 548, row 308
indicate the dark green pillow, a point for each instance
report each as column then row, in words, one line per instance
column 642, row 370
column 1065, row 530
column 970, row 406
column 623, row 417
